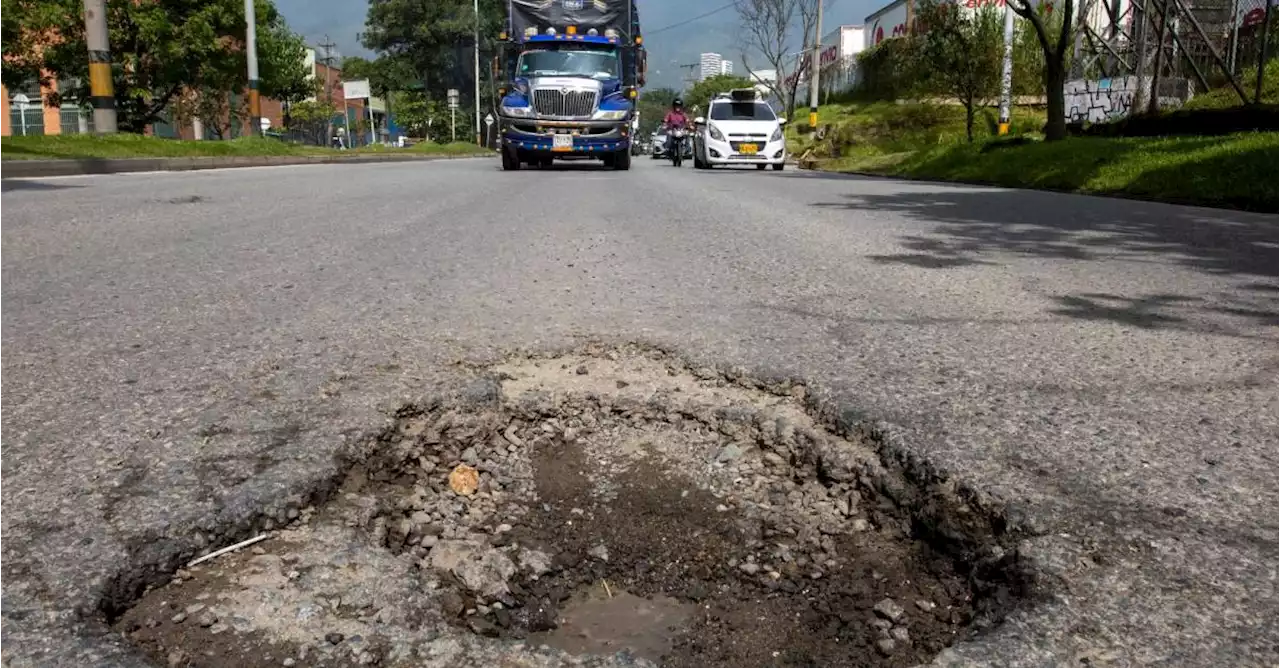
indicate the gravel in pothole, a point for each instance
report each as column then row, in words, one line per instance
column 617, row 510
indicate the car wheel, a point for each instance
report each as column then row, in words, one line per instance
column 761, row 167
column 510, row 160
column 622, row 161
column 779, row 167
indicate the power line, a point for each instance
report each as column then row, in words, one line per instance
column 649, row 33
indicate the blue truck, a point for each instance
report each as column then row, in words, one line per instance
column 572, row 70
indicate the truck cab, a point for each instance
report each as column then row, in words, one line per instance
column 572, row 79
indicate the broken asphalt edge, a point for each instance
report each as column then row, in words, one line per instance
column 25, row 169
column 76, row 631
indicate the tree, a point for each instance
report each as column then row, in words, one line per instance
column 429, row 41
column 963, row 49
column 1055, row 55
column 769, row 27
column 701, row 93
column 159, row 50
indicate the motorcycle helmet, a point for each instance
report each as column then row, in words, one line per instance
column 677, row 103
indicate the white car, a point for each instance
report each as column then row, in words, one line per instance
column 739, row 129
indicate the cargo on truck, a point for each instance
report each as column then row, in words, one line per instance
column 571, row 72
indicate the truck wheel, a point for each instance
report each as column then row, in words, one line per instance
column 510, row 160
column 622, row 160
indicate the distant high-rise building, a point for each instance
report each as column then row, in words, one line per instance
column 709, row 65
column 726, row 67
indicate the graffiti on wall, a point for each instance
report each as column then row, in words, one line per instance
column 1100, row 100
column 1103, row 100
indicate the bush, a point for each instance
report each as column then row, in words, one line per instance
column 891, row 70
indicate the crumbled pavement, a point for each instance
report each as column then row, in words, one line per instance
column 179, row 376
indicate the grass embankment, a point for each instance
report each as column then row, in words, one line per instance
column 53, row 147
column 1236, row 170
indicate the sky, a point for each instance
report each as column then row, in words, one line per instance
column 342, row 21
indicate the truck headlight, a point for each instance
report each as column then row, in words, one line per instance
column 715, row 132
column 777, row 134
column 517, row 112
column 610, row 115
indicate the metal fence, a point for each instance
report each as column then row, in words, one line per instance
column 1175, row 48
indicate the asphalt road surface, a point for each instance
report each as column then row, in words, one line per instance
column 182, row 348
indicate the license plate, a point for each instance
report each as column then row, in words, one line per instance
column 562, row 142
column 748, row 149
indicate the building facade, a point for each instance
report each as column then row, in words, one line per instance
column 712, row 64
column 35, row 117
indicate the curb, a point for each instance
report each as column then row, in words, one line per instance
column 21, row 169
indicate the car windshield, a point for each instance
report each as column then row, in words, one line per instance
column 741, row 111
column 572, row 63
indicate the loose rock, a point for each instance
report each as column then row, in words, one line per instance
column 886, row 646
column 889, row 609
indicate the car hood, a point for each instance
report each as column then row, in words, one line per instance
column 746, row 127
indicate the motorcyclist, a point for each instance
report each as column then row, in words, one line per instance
column 675, row 118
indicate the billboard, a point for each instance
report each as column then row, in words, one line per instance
column 355, row 90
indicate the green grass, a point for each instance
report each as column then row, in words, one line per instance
column 1236, row 171
column 1226, row 96
column 928, row 142
column 124, row 145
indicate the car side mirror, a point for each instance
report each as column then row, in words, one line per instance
column 782, row 121
column 699, row 121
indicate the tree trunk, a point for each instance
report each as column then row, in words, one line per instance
column 1055, row 81
column 968, row 119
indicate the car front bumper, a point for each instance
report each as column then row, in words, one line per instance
column 589, row 137
column 723, row 153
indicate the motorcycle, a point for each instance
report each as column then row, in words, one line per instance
column 675, row 147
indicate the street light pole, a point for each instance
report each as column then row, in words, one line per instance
column 251, row 50
column 101, row 91
column 1006, row 74
column 814, row 67
column 477, row 70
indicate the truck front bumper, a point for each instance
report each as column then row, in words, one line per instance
column 589, row 137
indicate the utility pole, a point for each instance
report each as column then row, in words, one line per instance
column 814, row 67
column 328, row 45
column 477, row 64
column 101, row 91
column 1006, row 72
column 251, row 50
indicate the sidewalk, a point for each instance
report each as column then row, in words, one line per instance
column 18, row 169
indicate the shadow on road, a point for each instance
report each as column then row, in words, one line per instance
column 973, row 226
column 10, row 185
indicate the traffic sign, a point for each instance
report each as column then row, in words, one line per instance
column 488, row 119
column 21, row 101
column 452, row 96
column 265, row 123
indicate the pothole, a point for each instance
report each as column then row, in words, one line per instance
column 605, row 509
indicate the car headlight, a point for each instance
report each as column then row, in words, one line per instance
column 610, row 114
column 715, row 132
column 777, row 134
column 517, row 112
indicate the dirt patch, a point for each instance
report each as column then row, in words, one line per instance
column 626, row 510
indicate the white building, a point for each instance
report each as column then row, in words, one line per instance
column 726, row 67
column 892, row 19
column 837, row 61
column 711, row 64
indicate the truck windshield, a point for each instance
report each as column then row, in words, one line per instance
column 575, row 63
column 741, row 111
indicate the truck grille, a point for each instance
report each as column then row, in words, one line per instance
column 565, row 104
